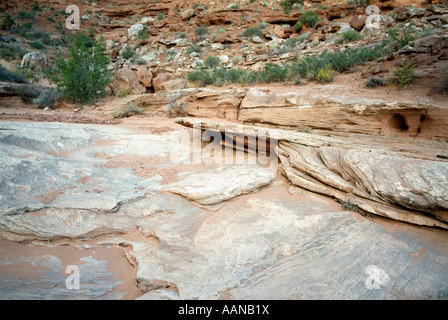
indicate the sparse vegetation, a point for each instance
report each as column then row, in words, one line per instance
column 126, row 52
column 194, row 48
column 48, row 99
column 211, row 62
column 127, row 111
column 252, row 32
column 11, row 51
column 309, row 17
column 404, row 75
column 37, row 45
column 160, row 16
column 325, row 74
column 10, row 76
column 321, row 67
column 201, row 31
column 374, row 82
column 8, row 22
column 348, row 206
column 351, row 35
column 287, row 5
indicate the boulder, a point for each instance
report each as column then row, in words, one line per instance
column 144, row 76
column 135, row 29
column 160, row 78
column 187, row 14
column 126, row 79
column 173, row 84
column 358, row 22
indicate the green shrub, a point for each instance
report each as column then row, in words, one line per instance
column 25, row 15
column 83, row 75
column 351, row 35
column 252, row 32
column 10, row 76
column 201, row 31
column 37, row 45
column 375, row 82
column 325, row 74
column 359, row 3
column 288, row 4
column 10, row 51
column 127, row 52
column 48, row 99
column 321, row 67
column 310, row 17
column 7, row 22
column 404, row 75
column 211, row 62
column 160, row 16
column 194, row 48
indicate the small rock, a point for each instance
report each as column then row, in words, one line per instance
column 187, row 14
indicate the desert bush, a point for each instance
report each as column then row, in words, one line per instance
column 48, row 99
column 374, row 82
column 348, row 206
column 128, row 111
column 194, row 48
column 201, row 31
column 10, row 51
column 160, row 16
column 127, row 52
column 404, row 75
column 310, row 17
column 359, row 3
column 83, row 75
column 10, row 76
column 321, row 67
column 252, row 32
column 211, row 62
column 288, row 4
column 8, row 22
column 26, row 15
column 325, row 74
column 351, row 35
column 36, row 45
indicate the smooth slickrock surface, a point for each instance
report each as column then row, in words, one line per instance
column 113, row 201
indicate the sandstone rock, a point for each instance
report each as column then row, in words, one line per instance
column 343, row 172
column 217, row 185
column 144, row 76
column 160, row 78
column 227, row 37
column 317, row 37
column 187, row 14
column 358, row 23
column 126, row 79
column 173, row 84
column 279, row 31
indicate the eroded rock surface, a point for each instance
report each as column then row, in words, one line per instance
column 190, row 230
